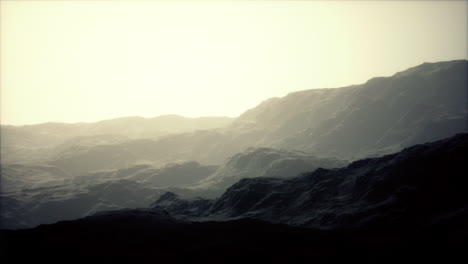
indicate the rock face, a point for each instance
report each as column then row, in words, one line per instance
column 418, row 186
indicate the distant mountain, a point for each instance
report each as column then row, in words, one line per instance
column 416, row 187
column 24, row 144
column 168, row 149
column 139, row 127
column 131, row 127
column 78, row 159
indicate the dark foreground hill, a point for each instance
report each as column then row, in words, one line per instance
column 154, row 235
column 410, row 203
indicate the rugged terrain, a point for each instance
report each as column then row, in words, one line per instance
column 409, row 204
column 284, row 161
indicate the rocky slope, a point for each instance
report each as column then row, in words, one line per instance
column 418, row 186
column 385, row 114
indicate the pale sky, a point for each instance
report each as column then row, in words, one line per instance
column 74, row 61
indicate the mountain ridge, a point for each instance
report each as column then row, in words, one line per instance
column 384, row 115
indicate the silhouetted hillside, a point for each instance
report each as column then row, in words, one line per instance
column 155, row 235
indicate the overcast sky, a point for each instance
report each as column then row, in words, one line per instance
column 73, row 61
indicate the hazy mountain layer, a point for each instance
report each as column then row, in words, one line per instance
column 15, row 177
column 32, row 189
column 26, row 144
column 170, row 175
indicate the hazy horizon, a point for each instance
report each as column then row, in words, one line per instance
column 192, row 117
column 80, row 61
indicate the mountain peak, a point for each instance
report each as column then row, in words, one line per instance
column 428, row 68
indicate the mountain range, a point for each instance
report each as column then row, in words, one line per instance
column 314, row 173
column 383, row 115
column 29, row 143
